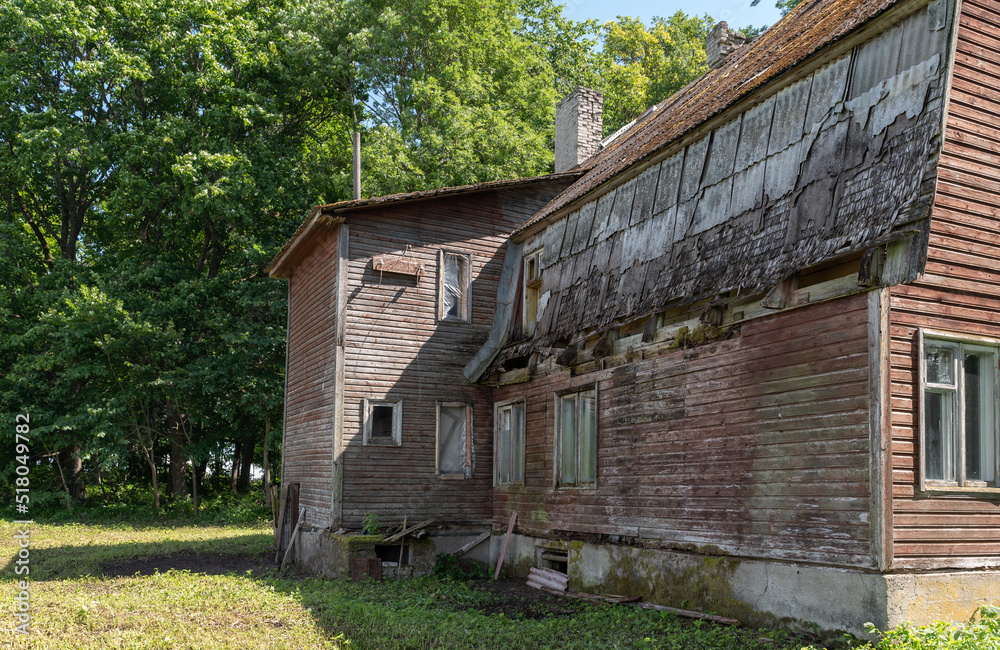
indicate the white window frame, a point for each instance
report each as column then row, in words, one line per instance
column 959, row 343
column 469, row 431
column 557, row 478
column 516, row 407
column 531, row 283
column 465, row 301
column 397, row 423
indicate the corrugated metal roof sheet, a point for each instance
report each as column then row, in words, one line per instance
column 810, row 27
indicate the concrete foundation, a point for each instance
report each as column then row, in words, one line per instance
column 801, row 598
column 320, row 551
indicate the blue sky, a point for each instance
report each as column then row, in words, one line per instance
column 738, row 13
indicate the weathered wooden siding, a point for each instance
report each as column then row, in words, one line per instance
column 757, row 445
column 395, row 348
column 309, row 399
column 829, row 164
column 960, row 292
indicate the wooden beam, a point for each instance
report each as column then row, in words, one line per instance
column 407, row 531
column 471, row 545
column 295, row 536
column 503, row 548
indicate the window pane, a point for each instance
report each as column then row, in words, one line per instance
column 517, row 446
column 588, row 436
column 381, row 421
column 451, row 440
column 973, row 417
column 453, row 294
column 567, row 425
column 938, row 436
column 940, row 365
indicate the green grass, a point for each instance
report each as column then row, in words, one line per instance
column 73, row 605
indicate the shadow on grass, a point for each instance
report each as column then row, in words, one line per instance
column 234, row 554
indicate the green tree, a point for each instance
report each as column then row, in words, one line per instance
column 644, row 65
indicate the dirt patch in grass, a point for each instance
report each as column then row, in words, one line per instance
column 514, row 599
column 207, row 563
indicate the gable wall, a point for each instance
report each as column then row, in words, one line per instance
column 757, row 445
column 309, row 399
column 960, row 293
column 395, row 348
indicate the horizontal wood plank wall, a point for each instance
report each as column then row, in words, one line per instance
column 308, row 439
column 395, row 348
column 757, row 445
column 959, row 292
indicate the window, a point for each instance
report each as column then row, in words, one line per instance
column 508, row 449
column 454, row 449
column 383, row 423
column 576, row 439
column 958, row 415
column 454, row 277
column 532, row 287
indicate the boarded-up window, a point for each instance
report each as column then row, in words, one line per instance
column 454, row 277
column 508, row 453
column 383, row 422
column 532, row 288
column 959, row 414
column 454, row 448
column 576, row 439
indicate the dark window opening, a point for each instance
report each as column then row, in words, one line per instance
column 555, row 560
column 381, row 421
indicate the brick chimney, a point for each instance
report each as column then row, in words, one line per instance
column 578, row 127
column 721, row 43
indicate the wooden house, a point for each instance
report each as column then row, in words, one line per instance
column 748, row 360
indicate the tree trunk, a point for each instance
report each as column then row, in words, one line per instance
column 267, row 466
column 73, row 466
column 237, row 453
column 243, row 485
column 194, row 487
column 178, row 460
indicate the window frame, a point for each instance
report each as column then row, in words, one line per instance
column 498, row 407
column 465, row 301
column 927, row 338
column 469, row 431
column 531, row 285
column 396, row 440
column 557, row 475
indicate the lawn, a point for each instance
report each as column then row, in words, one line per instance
column 216, row 586
column 86, row 593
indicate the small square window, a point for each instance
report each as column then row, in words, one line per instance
column 576, row 439
column 383, row 422
column 454, row 279
column 454, row 447
column 958, row 415
column 508, row 450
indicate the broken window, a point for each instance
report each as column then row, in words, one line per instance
column 383, row 422
column 454, row 277
column 532, row 289
column 454, row 449
column 576, row 444
column 959, row 414
column 508, row 450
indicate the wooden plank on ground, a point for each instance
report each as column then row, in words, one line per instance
column 503, row 548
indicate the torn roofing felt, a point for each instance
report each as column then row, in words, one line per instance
column 839, row 159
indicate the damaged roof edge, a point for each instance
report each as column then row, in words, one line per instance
column 319, row 216
column 377, row 201
column 758, row 68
